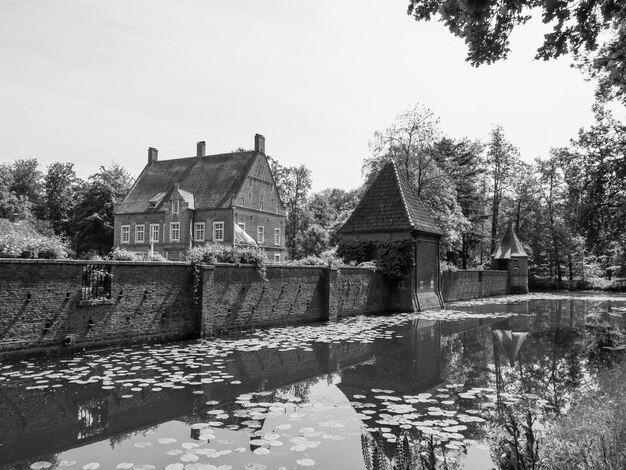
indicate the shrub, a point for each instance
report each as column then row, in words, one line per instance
column 393, row 259
column 13, row 246
column 327, row 258
column 119, row 254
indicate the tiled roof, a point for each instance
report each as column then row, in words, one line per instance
column 21, row 228
column 211, row 180
column 390, row 204
column 509, row 246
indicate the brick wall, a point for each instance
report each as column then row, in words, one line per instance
column 237, row 297
column 40, row 305
column 360, row 291
column 461, row 285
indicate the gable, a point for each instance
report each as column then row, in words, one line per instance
column 259, row 184
column 390, row 204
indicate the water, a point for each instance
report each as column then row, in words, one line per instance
column 310, row 396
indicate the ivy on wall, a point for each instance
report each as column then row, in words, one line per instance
column 394, row 259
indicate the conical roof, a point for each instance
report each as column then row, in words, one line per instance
column 390, row 204
column 509, row 343
column 509, row 246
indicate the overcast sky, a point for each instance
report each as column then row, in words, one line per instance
column 91, row 81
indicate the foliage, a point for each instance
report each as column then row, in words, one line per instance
column 592, row 434
column 595, row 31
column 61, row 192
column 327, row 258
column 410, row 142
column 93, row 217
column 119, row 254
column 394, row 259
column 14, row 246
column 212, row 253
column 520, row 450
column 293, row 184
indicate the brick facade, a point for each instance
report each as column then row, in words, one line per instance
column 191, row 200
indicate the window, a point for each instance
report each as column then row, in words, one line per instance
column 242, row 226
column 125, row 233
column 174, row 231
column 154, row 233
column 260, row 205
column 176, row 207
column 277, row 209
column 218, row 231
column 515, row 265
column 139, row 233
column 276, row 236
column 199, row 232
column 260, row 234
column 277, row 258
column 243, row 201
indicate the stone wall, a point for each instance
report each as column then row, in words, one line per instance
column 461, row 285
column 40, row 305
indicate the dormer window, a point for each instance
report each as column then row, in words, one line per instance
column 176, row 207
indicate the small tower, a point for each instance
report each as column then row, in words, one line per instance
column 510, row 256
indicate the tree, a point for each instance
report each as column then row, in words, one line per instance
column 462, row 161
column 593, row 30
column 330, row 208
column 61, row 186
column 410, row 143
column 12, row 205
column 501, row 157
column 293, row 184
column 27, row 183
column 595, row 170
column 93, row 217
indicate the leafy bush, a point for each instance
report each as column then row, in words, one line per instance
column 119, row 254
column 393, row 259
column 217, row 253
column 212, row 253
column 153, row 257
column 13, row 246
column 327, row 258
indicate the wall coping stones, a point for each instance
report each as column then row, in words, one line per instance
column 82, row 262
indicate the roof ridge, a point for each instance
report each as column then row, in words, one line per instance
column 406, row 206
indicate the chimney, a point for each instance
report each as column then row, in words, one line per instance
column 153, row 155
column 259, row 143
column 200, row 148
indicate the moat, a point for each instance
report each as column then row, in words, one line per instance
column 306, row 396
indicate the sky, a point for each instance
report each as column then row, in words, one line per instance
column 96, row 81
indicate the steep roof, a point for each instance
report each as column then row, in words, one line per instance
column 211, row 180
column 20, row 228
column 390, row 204
column 509, row 246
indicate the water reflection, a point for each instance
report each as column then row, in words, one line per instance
column 308, row 394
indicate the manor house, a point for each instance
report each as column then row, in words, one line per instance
column 178, row 204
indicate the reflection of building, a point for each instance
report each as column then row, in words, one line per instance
column 389, row 212
column 509, row 255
